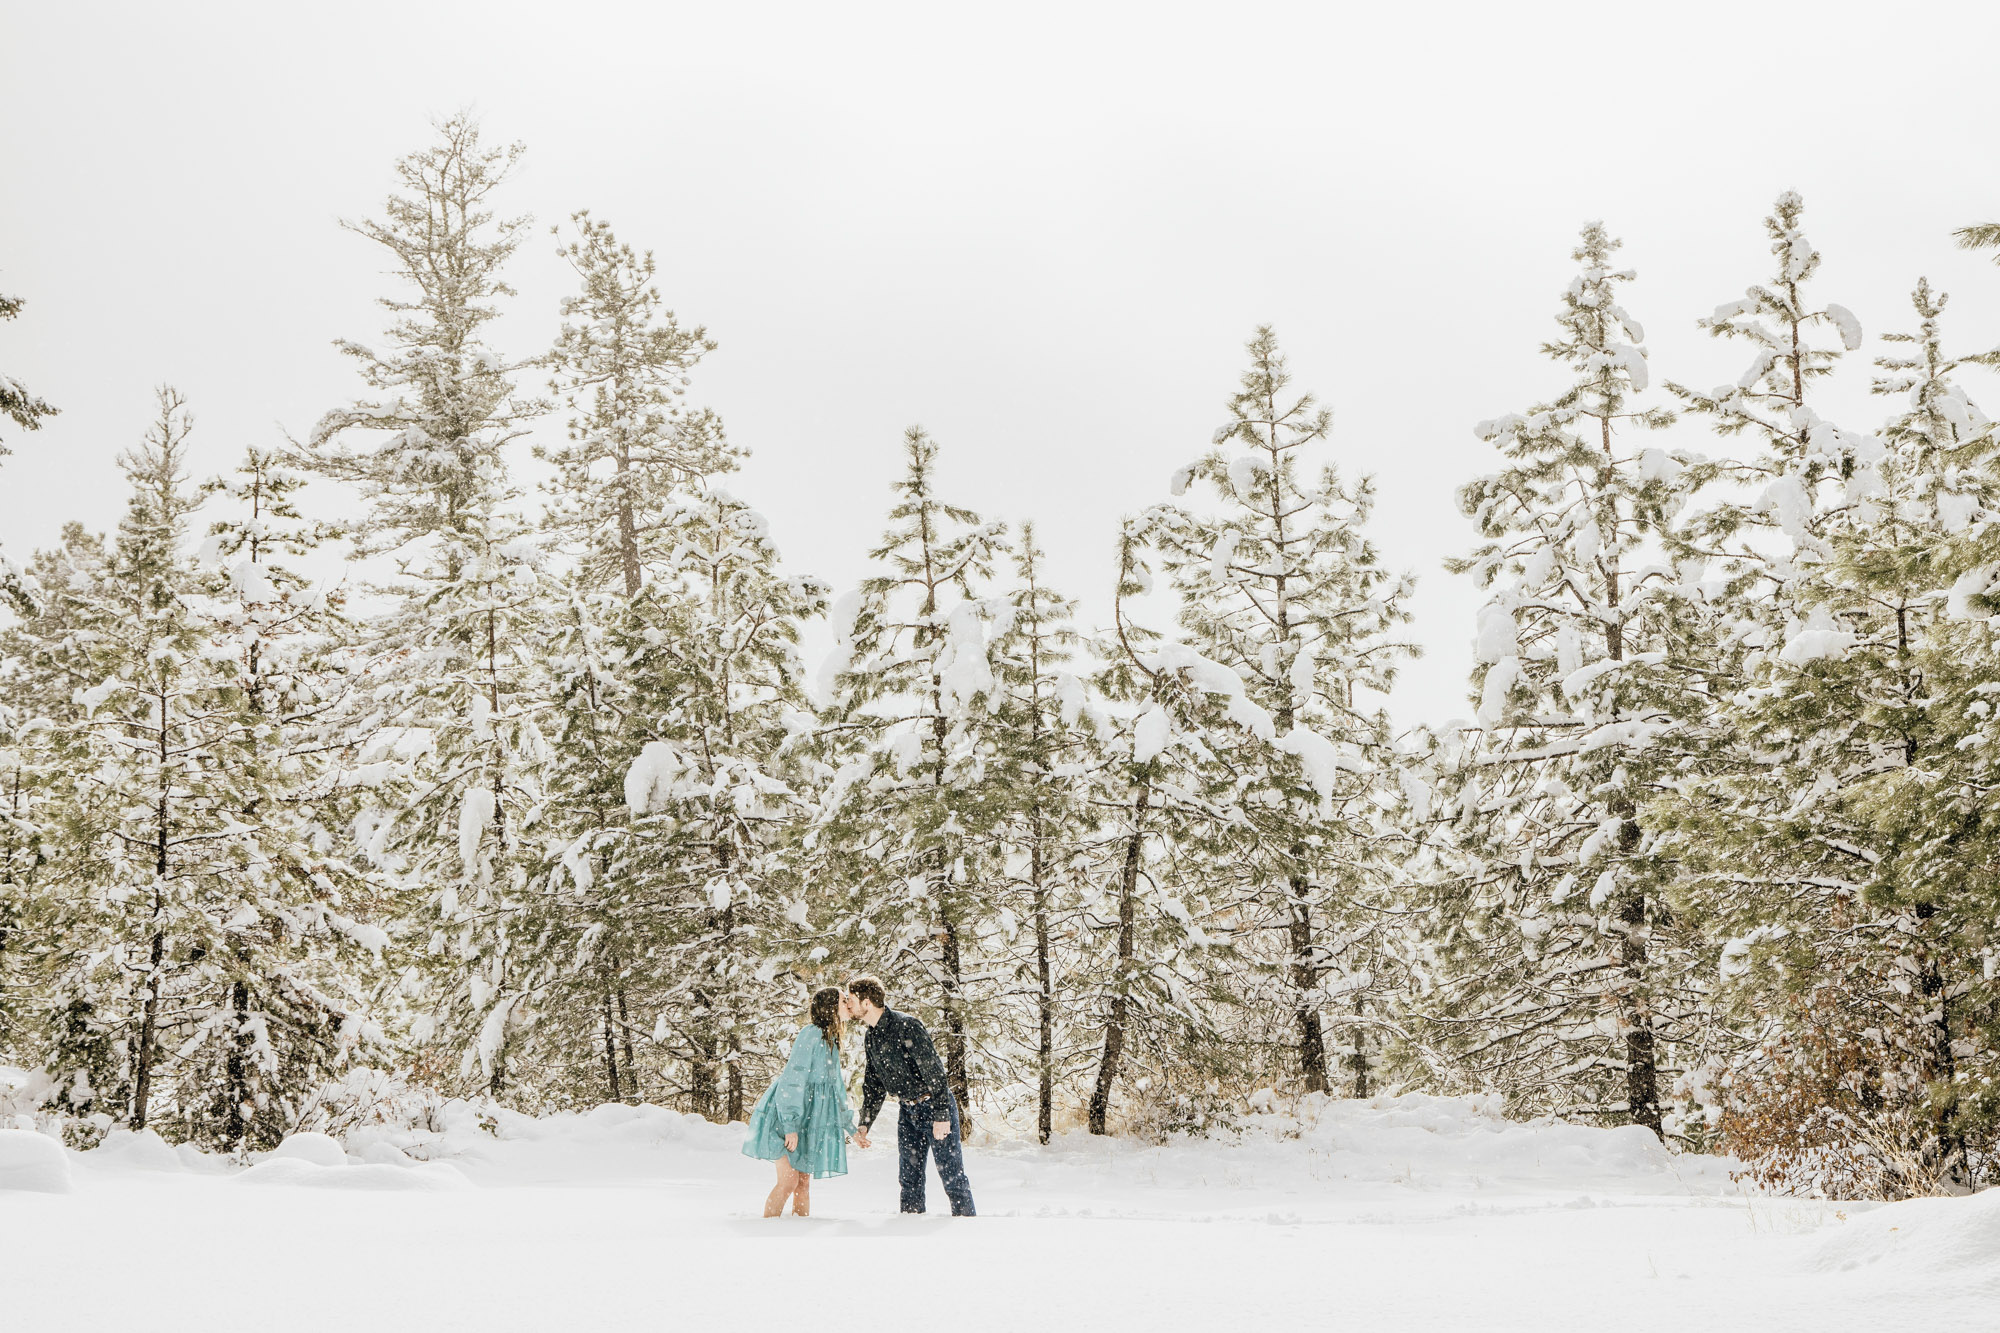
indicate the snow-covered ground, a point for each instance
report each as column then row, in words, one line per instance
column 1407, row 1213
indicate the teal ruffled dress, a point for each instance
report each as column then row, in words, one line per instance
column 808, row 1099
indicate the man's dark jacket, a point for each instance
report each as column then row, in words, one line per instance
column 901, row 1062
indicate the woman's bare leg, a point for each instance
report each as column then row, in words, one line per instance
column 802, row 1194
column 774, row 1203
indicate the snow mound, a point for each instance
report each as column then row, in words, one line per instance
column 1411, row 1141
column 1960, row 1237
column 617, row 1124
column 1467, row 1140
column 136, row 1150
column 31, row 1161
column 425, row 1176
column 319, row 1149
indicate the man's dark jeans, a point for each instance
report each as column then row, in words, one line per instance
column 914, row 1144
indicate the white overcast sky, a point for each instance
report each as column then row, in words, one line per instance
column 1042, row 231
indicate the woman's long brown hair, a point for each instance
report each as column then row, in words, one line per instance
column 826, row 1013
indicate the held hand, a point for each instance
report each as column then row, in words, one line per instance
column 791, row 1143
column 940, row 1128
column 861, row 1138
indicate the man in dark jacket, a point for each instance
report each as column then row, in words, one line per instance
column 903, row 1063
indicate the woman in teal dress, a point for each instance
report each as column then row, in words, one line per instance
column 802, row 1121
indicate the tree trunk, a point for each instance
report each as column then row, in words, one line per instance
column 611, row 1052
column 954, row 1021
column 1358, row 1062
column 1305, row 980
column 625, row 1041
column 733, row 1106
column 701, row 1073
column 1642, row 1075
column 235, row 1125
column 1114, row 1028
column 1948, row 1137
column 149, row 1022
column 1045, row 998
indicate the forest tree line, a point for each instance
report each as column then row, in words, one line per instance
column 549, row 808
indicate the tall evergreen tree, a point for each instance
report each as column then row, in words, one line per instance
column 441, row 408
column 1848, row 947
column 449, row 706
column 21, row 754
column 1280, row 586
column 1046, row 751
column 208, row 948
column 1558, row 993
column 628, row 483
column 908, row 724
column 622, row 363
column 699, row 898
column 1160, row 795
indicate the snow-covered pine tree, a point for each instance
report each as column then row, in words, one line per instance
column 1281, row 588
column 621, row 364
column 37, row 658
column 1555, row 991
column 635, row 460
column 442, row 407
column 1828, row 857
column 453, row 704
column 908, row 732
column 697, row 902
column 203, row 945
column 22, row 748
column 448, row 704
column 1144, row 978
column 26, row 772
column 310, row 956
column 1046, row 753
column 1804, row 467
column 1762, row 549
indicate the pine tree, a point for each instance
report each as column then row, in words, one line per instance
column 1047, row 732
column 26, row 773
column 316, row 950
column 698, row 901
column 908, row 724
column 622, row 364
column 442, row 398
column 1280, row 587
column 1848, row 944
column 448, row 708
column 22, row 747
column 634, row 463
column 42, row 671
column 204, row 946
column 1557, row 993
column 1762, row 551
column 457, row 700
column 1160, row 795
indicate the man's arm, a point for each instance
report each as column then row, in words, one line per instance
column 872, row 1093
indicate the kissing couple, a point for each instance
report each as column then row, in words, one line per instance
column 803, row 1121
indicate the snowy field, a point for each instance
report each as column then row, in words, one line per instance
column 1406, row 1213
